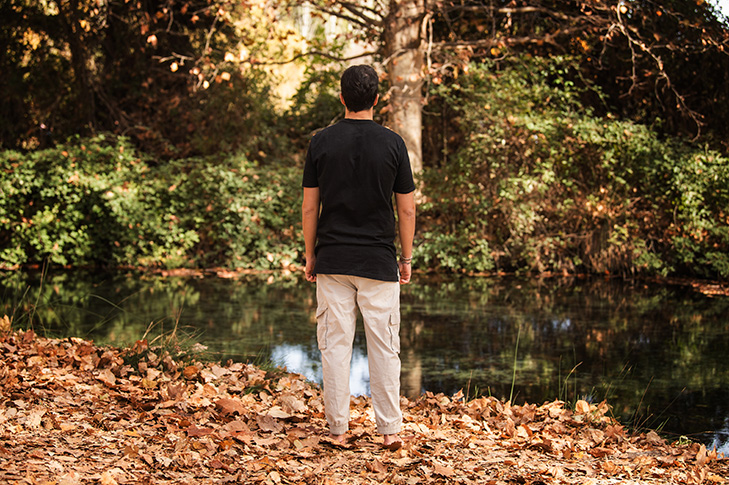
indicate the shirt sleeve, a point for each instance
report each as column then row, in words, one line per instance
column 310, row 178
column 404, row 183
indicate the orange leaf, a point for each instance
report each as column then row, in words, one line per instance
column 230, row 406
column 443, row 471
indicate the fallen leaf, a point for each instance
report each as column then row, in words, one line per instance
column 443, row 471
column 70, row 405
column 107, row 479
column 278, row 413
column 582, row 407
column 34, row 419
column 107, row 377
column 191, row 372
column 701, row 456
column 195, row 431
column 230, row 406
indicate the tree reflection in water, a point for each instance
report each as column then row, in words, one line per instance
column 656, row 353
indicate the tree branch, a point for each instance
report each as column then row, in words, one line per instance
column 662, row 74
column 356, row 17
column 508, row 41
column 359, row 11
column 314, row 53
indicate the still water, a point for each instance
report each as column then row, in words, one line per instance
column 656, row 353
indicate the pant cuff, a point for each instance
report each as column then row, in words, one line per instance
column 391, row 429
column 337, row 430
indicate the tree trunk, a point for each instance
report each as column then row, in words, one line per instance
column 404, row 54
column 71, row 16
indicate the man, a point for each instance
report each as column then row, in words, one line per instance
column 352, row 170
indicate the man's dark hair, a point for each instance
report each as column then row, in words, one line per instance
column 359, row 87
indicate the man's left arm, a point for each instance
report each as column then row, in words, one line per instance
column 406, row 228
column 309, row 221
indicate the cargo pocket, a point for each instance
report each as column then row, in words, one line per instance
column 322, row 326
column 394, row 328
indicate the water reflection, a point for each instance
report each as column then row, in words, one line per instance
column 656, row 353
column 296, row 359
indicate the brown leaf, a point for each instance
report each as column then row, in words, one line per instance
column 230, row 406
column 107, row 479
column 524, row 432
column 582, row 407
column 5, row 324
column 376, row 466
column 599, row 452
column 195, row 431
column 701, row 456
column 278, row 413
column 191, row 372
column 181, row 428
column 34, row 419
column 614, row 432
column 653, row 438
column 236, row 427
column 291, row 404
column 175, row 391
column 107, row 377
column 610, row 468
column 509, row 428
column 443, row 471
column 394, row 446
column 268, row 423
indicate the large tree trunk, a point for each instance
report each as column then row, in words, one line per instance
column 404, row 54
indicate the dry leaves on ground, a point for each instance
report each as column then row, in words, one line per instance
column 71, row 412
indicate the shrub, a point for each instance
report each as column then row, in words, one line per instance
column 547, row 186
column 95, row 201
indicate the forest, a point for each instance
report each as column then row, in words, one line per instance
column 547, row 136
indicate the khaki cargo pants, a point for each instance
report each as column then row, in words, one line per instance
column 338, row 297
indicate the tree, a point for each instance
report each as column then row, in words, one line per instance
column 180, row 77
column 648, row 56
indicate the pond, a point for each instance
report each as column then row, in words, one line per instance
column 656, row 352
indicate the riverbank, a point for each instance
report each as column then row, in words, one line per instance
column 72, row 412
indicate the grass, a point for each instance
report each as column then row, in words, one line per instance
column 513, row 377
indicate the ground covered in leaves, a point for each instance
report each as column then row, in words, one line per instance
column 71, row 412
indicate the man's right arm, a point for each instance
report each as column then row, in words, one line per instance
column 309, row 221
column 406, row 227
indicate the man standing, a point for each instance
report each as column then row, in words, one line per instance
column 352, row 170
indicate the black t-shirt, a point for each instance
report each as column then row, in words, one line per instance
column 357, row 165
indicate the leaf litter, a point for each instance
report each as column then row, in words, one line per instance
column 72, row 412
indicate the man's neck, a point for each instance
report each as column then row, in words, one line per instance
column 365, row 114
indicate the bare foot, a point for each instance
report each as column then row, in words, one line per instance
column 392, row 442
column 340, row 439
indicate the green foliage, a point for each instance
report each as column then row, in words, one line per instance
column 95, row 201
column 548, row 186
column 316, row 104
column 242, row 216
column 530, row 180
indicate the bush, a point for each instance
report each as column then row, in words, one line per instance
column 96, row 202
column 547, row 186
column 243, row 216
column 61, row 204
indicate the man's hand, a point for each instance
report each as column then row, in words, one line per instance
column 309, row 270
column 406, row 271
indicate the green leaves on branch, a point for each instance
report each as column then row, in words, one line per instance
column 546, row 185
column 96, row 201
